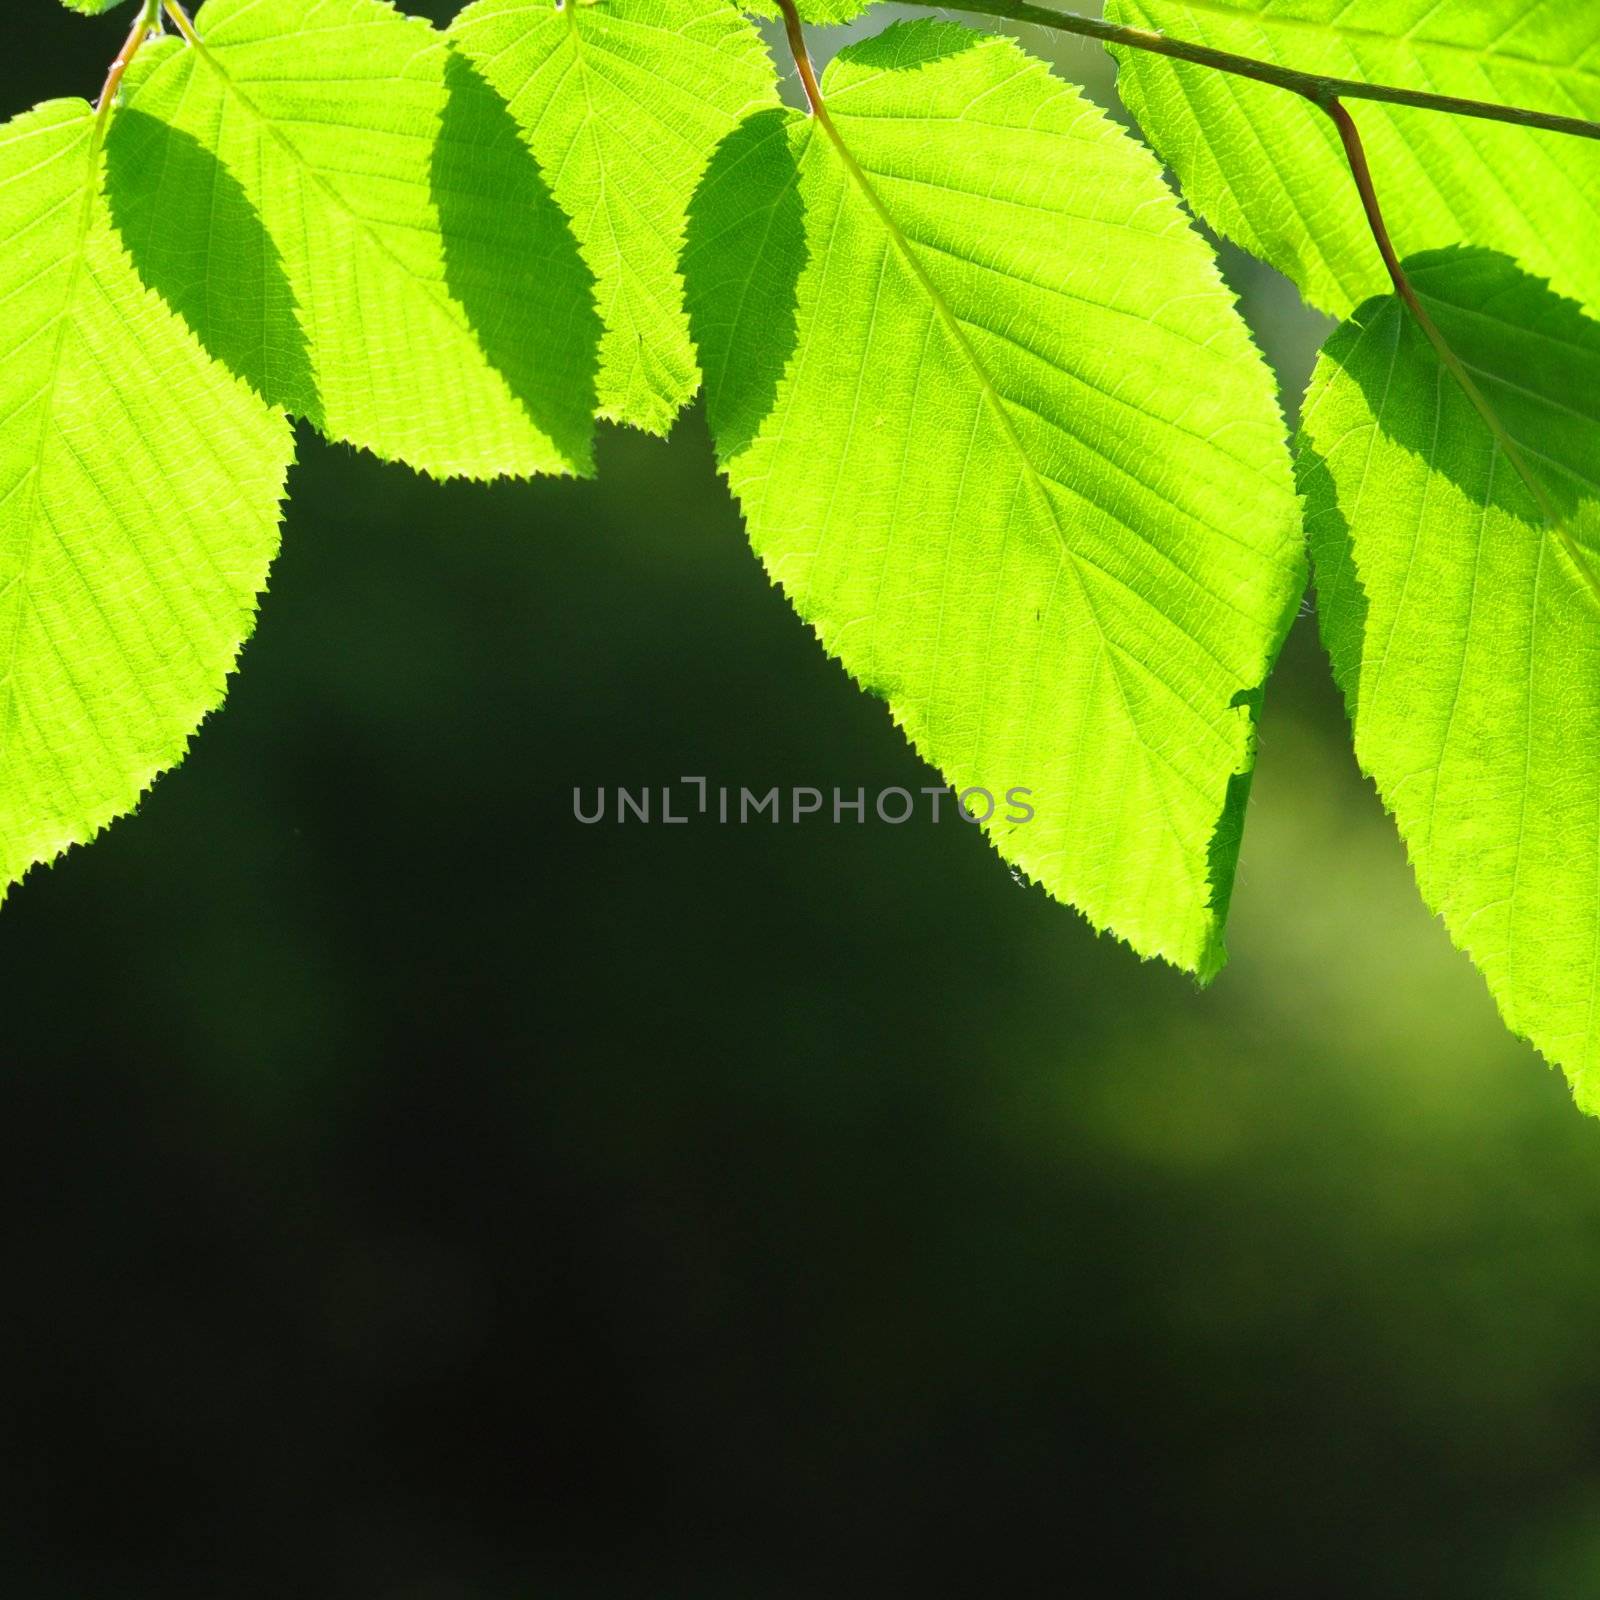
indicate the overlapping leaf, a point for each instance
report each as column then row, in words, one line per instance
column 623, row 103
column 1000, row 434
column 1265, row 166
column 1463, row 622
column 420, row 291
column 139, row 488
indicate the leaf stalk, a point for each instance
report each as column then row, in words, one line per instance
column 147, row 22
column 802, row 58
column 180, row 20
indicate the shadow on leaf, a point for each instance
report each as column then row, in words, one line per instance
column 196, row 240
column 512, row 262
column 744, row 250
column 1534, row 355
column 1536, row 359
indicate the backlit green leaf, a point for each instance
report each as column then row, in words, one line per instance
column 1001, row 436
column 1464, row 631
column 821, row 13
column 139, row 488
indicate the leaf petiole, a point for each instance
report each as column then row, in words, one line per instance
column 180, row 20
column 147, row 22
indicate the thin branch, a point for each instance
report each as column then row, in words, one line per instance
column 1313, row 86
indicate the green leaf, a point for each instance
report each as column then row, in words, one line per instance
column 1463, row 629
column 92, row 8
column 1265, row 167
column 822, row 13
column 139, row 490
column 425, row 297
column 623, row 102
column 1000, row 434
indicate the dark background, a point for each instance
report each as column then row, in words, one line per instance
column 409, row 1194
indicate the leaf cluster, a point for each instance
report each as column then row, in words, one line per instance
column 995, row 423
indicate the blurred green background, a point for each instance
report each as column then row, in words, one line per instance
column 413, row 1195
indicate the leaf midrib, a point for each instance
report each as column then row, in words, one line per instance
column 953, row 326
